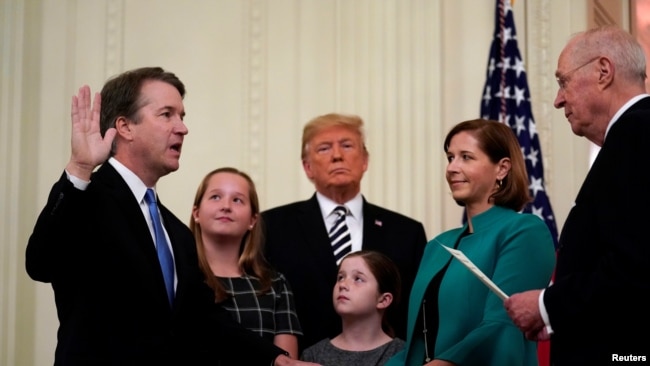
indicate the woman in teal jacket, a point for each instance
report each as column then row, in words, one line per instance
column 454, row 319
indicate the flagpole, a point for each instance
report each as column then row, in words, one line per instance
column 506, row 99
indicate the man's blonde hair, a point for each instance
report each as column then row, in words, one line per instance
column 317, row 124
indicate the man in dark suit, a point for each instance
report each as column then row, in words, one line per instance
column 596, row 309
column 334, row 157
column 96, row 240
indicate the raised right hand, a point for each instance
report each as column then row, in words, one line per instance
column 89, row 148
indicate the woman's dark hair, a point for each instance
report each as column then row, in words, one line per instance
column 498, row 141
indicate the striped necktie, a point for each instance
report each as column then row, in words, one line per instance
column 162, row 248
column 340, row 235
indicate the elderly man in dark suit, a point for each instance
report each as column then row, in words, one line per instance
column 306, row 239
column 127, row 284
column 598, row 302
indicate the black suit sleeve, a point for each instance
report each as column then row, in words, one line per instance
column 46, row 248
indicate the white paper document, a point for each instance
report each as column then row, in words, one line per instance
column 476, row 271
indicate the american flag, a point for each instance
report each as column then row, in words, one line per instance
column 506, row 99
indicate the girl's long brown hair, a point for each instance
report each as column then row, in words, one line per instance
column 251, row 257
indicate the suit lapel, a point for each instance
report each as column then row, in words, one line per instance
column 128, row 205
column 312, row 227
column 433, row 261
column 131, row 220
column 373, row 227
column 603, row 158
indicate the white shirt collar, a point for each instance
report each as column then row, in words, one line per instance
column 355, row 206
column 622, row 110
column 136, row 185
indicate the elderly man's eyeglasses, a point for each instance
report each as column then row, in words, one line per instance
column 562, row 80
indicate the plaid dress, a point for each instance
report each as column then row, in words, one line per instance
column 267, row 315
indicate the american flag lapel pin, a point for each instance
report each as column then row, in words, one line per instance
column 378, row 223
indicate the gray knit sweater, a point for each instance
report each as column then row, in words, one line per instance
column 326, row 354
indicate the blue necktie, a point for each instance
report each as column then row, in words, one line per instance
column 340, row 235
column 164, row 254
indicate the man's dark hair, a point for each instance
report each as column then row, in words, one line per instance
column 121, row 94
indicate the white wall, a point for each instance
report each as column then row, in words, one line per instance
column 256, row 71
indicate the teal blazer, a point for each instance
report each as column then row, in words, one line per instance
column 514, row 250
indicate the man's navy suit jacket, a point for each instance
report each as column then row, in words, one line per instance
column 96, row 250
column 599, row 301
